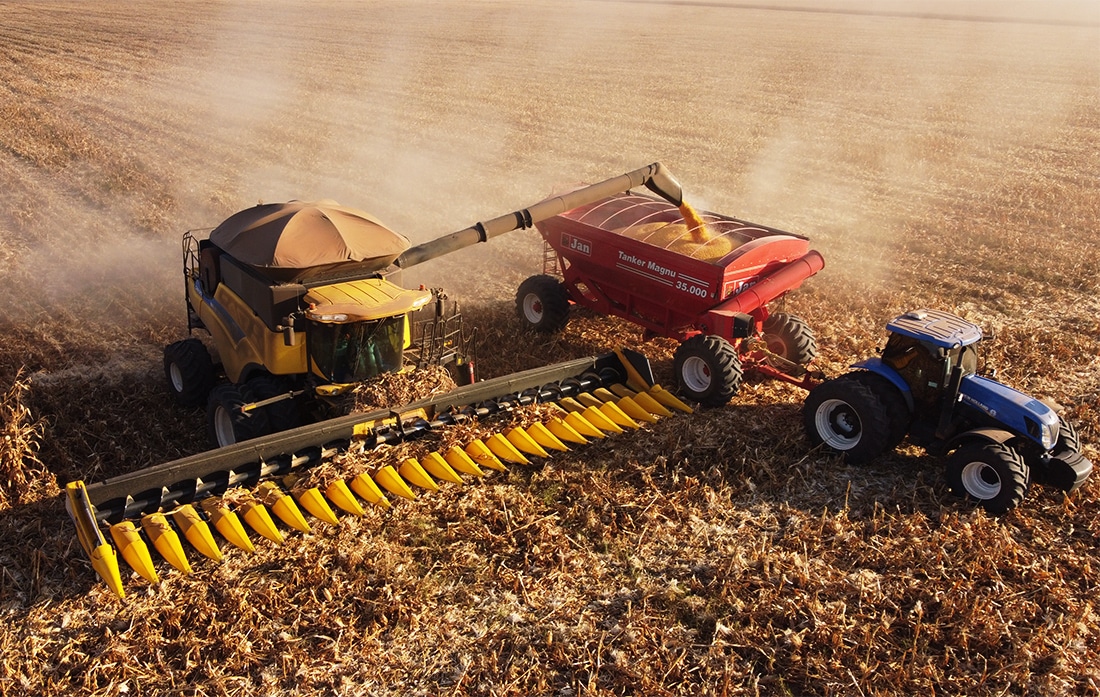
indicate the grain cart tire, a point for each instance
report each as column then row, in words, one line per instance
column 542, row 304
column 849, row 414
column 190, row 371
column 708, row 369
column 282, row 415
column 790, row 337
column 992, row 474
column 226, row 423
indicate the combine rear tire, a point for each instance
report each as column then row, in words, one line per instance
column 992, row 474
column 858, row 415
column 226, row 423
column 707, row 369
column 790, row 337
column 542, row 304
column 190, row 371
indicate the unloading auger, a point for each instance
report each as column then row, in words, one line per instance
column 189, row 499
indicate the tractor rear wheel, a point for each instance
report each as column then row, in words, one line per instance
column 789, row 337
column 992, row 474
column 190, row 371
column 226, row 423
column 894, row 407
column 707, row 369
column 542, row 303
column 856, row 416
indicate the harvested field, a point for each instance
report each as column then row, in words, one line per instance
column 940, row 154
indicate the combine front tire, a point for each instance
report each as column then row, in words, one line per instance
column 227, row 423
column 708, row 369
column 281, row 415
column 790, row 337
column 190, row 371
column 859, row 415
column 542, row 304
column 992, row 474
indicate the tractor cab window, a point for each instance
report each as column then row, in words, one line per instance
column 922, row 365
column 357, row 351
column 968, row 359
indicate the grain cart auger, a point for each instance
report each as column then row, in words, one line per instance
column 925, row 384
column 250, row 485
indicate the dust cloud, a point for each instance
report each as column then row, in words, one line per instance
column 861, row 129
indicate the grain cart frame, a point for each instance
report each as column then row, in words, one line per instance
column 620, row 256
column 925, row 385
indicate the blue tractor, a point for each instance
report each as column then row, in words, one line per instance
column 996, row 440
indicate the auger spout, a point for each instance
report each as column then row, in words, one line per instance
column 654, row 177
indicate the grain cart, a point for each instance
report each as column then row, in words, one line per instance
column 702, row 279
column 925, row 384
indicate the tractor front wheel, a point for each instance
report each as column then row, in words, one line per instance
column 708, row 369
column 856, row 416
column 227, row 423
column 992, row 474
column 190, row 371
column 789, row 337
column 542, row 303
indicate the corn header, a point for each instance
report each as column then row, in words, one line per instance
column 591, row 398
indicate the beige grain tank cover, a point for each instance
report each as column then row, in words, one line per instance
column 297, row 240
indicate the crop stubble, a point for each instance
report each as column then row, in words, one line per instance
column 935, row 162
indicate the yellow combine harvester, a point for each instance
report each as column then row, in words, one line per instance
column 295, row 300
column 301, row 304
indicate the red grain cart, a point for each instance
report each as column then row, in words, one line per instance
column 708, row 286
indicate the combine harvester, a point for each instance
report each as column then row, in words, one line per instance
column 302, row 304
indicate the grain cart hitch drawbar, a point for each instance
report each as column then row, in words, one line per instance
column 594, row 397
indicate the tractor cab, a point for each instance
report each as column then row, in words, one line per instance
column 925, row 347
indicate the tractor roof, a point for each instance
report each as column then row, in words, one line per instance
column 938, row 328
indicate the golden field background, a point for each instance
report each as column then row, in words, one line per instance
column 941, row 154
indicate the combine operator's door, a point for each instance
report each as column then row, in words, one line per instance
column 357, row 351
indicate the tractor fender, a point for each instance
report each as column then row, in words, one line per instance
column 987, row 434
column 875, row 365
